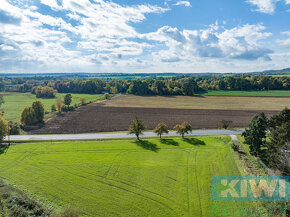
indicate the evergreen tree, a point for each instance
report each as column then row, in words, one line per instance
column 38, row 108
column 255, row 135
column 67, row 99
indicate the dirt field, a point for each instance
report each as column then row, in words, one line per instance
column 100, row 118
column 206, row 102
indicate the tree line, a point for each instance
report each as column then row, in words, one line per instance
column 137, row 128
column 245, row 83
column 178, row 85
column 269, row 139
column 173, row 86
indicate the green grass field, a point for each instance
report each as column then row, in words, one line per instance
column 16, row 102
column 271, row 93
column 288, row 75
column 122, row 178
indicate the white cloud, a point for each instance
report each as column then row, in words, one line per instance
column 90, row 33
column 5, row 47
column 287, row 2
column 285, row 43
column 51, row 3
column 111, row 20
column 264, row 6
column 184, row 3
column 237, row 43
column 102, row 27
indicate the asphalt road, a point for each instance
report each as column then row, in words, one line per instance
column 113, row 135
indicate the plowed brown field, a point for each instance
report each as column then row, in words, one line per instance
column 100, row 118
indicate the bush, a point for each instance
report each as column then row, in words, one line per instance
column 19, row 212
column 83, row 100
column 67, row 108
column 235, row 146
column 107, row 96
column 14, row 128
column 226, row 124
column 19, row 204
column 53, row 108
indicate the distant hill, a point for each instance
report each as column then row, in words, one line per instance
column 116, row 75
column 285, row 71
column 281, row 70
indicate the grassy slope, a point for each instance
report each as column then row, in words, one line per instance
column 206, row 102
column 273, row 93
column 287, row 75
column 15, row 102
column 122, row 178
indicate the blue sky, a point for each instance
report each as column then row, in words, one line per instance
column 144, row 36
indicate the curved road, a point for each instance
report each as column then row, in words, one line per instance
column 114, row 135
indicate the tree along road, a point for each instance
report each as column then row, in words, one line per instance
column 113, row 135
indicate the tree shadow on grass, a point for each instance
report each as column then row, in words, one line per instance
column 3, row 148
column 194, row 141
column 147, row 145
column 169, row 142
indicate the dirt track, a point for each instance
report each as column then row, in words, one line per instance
column 99, row 118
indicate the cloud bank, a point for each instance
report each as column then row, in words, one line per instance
column 101, row 36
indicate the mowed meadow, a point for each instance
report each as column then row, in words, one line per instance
column 202, row 102
column 122, row 178
column 270, row 93
column 16, row 102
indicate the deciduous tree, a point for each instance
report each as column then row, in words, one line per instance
column 183, row 128
column 136, row 127
column 14, row 128
column 4, row 129
column 58, row 105
column 28, row 116
column 226, row 124
column 189, row 86
column 44, row 92
column 161, row 129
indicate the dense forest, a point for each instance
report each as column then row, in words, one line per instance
column 177, row 85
